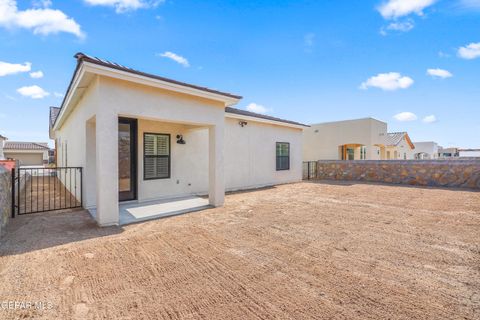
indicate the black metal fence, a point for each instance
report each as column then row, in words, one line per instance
column 309, row 170
column 46, row 189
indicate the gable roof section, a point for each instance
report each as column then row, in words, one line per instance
column 83, row 57
column 261, row 116
column 54, row 111
column 394, row 138
column 22, row 145
column 86, row 63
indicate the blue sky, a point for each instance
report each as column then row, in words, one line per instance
column 412, row 63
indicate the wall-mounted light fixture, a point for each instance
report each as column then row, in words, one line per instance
column 180, row 139
column 242, row 123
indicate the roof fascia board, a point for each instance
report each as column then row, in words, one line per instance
column 127, row 76
column 66, row 104
column 267, row 121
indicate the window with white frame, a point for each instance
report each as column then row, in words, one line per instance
column 156, row 156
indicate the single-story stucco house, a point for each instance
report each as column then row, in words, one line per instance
column 399, row 146
column 357, row 139
column 27, row 153
column 2, row 141
column 426, row 150
column 140, row 137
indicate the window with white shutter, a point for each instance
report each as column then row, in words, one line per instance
column 156, row 156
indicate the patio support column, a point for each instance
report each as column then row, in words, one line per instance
column 216, row 179
column 107, row 167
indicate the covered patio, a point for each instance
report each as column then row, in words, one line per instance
column 134, row 211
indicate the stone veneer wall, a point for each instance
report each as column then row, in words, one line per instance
column 441, row 173
column 5, row 198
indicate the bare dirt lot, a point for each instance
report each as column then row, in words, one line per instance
column 300, row 251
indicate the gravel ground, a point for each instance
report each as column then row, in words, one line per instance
column 299, row 251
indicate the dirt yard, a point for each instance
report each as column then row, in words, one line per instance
column 301, row 251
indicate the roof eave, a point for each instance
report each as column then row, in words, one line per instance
column 88, row 67
column 262, row 120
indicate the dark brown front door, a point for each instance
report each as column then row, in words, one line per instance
column 127, row 159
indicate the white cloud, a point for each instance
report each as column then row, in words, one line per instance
column 388, row 81
column 393, row 9
column 253, row 107
column 405, row 116
column 439, row 73
column 470, row 51
column 122, row 6
column 42, row 3
column 401, row 26
column 34, row 92
column 430, row 119
column 309, row 40
column 175, row 57
column 42, row 21
column 442, row 54
column 469, row 4
column 37, row 74
column 13, row 68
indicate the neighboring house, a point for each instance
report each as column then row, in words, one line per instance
column 2, row 141
column 27, row 153
column 427, row 150
column 358, row 139
column 143, row 137
column 446, row 153
column 399, row 146
column 469, row 153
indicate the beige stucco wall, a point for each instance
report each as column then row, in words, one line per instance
column 189, row 161
column 250, row 154
column 247, row 155
column 322, row 141
column 27, row 157
column 403, row 149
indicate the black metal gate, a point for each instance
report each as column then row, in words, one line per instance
column 45, row 189
column 309, row 170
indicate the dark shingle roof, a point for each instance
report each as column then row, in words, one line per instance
column 261, row 116
column 83, row 57
column 22, row 145
column 2, row 137
column 54, row 111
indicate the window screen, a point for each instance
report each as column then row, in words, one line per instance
column 156, row 156
column 283, row 156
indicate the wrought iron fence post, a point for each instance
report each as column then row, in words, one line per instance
column 13, row 192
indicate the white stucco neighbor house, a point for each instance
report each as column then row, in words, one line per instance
column 2, row 141
column 357, row 139
column 399, row 146
column 27, row 153
column 140, row 137
column 426, row 150
column 469, row 153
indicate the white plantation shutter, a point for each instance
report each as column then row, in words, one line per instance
column 156, row 156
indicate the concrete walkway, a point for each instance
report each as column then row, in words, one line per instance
column 132, row 212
